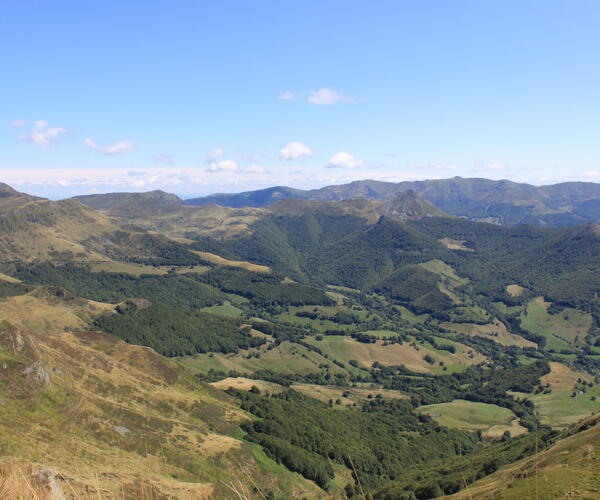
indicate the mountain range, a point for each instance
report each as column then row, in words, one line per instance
column 500, row 202
column 379, row 346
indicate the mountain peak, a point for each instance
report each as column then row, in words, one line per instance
column 409, row 205
column 10, row 198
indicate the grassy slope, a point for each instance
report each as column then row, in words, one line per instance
column 570, row 326
column 566, row 470
column 111, row 416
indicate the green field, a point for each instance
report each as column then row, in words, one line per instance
column 226, row 309
column 287, row 358
column 561, row 330
column 467, row 415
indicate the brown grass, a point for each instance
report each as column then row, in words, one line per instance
column 17, row 483
column 515, row 290
column 455, row 244
column 220, row 261
column 34, row 311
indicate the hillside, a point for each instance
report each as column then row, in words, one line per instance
column 501, row 202
column 565, row 470
column 133, row 204
column 35, row 228
column 116, row 420
column 322, row 349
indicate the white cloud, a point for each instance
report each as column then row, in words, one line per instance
column 288, row 95
column 215, row 154
column 165, row 158
column 43, row 135
column 498, row 167
column 222, row 166
column 343, row 160
column 294, row 150
column 590, row 174
column 323, row 97
column 113, row 149
column 255, row 169
column 17, row 123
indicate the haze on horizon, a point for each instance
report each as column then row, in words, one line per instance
column 196, row 98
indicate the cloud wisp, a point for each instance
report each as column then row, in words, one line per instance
column 214, row 155
column 222, row 166
column 165, row 158
column 41, row 134
column 327, row 97
column 288, row 95
column 117, row 148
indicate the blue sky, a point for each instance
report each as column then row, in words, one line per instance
column 221, row 96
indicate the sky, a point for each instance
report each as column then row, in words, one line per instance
column 197, row 97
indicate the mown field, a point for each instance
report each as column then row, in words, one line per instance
column 491, row 419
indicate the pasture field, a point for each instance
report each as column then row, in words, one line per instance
column 569, row 327
column 319, row 325
column 220, row 261
column 408, row 315
column 225, row 309
column 495, row 331
column 468, row 415
column 515, row 290
column 469, row 314
column 245, row 384
column 345, row 349
column 347, row 396
column 569, row 400
column 286, row 358
column 505, row 309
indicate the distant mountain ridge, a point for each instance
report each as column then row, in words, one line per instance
column 133, row 204
column 501, row 202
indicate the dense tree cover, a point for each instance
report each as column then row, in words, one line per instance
column 561, row 264
column 145, row 248
column 378, row 440
column 263, row 288
column 416, row 287
column 332, row 248
column 280, row 332
column 171, row 289
column 475, row 384
column 176, row 332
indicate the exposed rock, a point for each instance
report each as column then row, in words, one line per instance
column 45, row 479
column 122, row 430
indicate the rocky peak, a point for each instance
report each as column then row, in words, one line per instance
column 409, row 205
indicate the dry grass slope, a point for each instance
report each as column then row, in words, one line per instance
column 117, row 420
